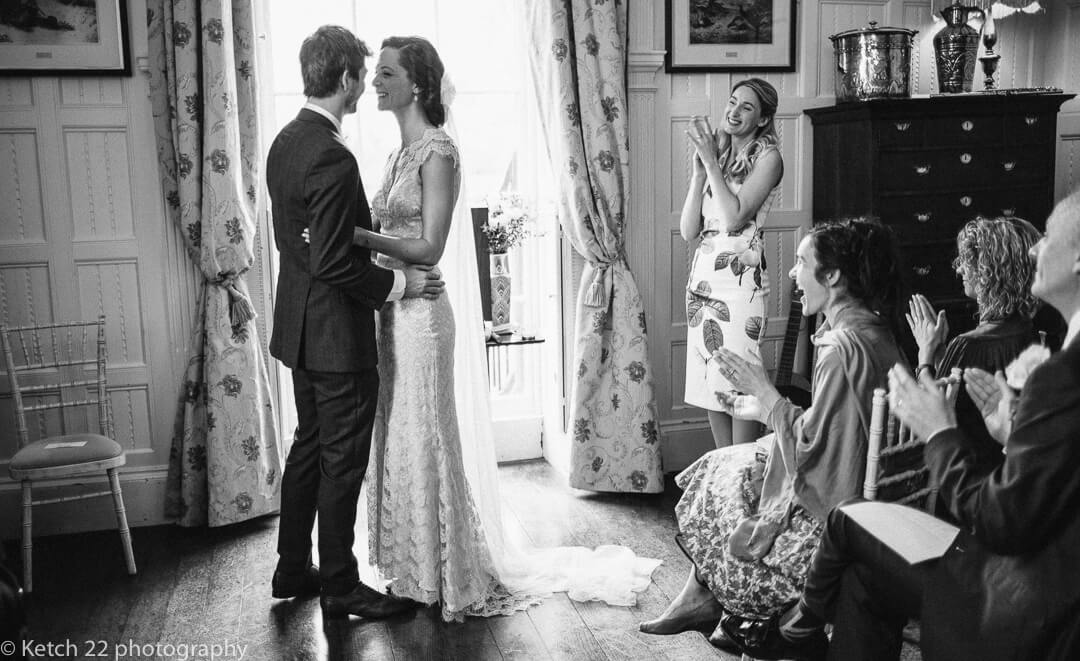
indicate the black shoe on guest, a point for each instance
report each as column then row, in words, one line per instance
column 761, row 639
column 365, row 602
column 721, row 640
column 287, row 586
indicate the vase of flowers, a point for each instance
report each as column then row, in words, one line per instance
column 506, row 227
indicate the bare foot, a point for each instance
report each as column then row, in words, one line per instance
column 694, row 609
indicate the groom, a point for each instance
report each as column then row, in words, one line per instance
column 324, row 329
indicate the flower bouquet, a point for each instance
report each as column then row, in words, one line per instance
column 507, row 226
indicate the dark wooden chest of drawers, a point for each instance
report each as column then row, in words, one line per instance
column 925, row 166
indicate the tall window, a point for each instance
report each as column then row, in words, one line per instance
column 482, row 44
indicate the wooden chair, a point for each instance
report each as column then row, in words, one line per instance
column 61, row 366
column 794, row 387
column 895, row 468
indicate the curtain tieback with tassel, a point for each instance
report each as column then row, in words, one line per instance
column 241, row 310
column 603, row 281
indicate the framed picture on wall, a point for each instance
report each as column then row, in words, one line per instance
column 730, row 35
column 64, row 37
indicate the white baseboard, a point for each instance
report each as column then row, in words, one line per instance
column 144, row 502
column 518, row 439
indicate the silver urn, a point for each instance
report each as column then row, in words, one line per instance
column 873, row 63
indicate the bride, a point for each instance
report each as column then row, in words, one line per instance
column 435, row 528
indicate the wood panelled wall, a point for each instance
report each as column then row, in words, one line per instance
column 1038, row 50
column 83, row 233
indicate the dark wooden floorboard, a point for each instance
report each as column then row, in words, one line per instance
column 213, row 586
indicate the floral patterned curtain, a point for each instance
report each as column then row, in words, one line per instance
column 578, row 56
column 224, row 465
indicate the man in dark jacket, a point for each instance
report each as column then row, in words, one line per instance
column 1008, row 587
column 324, row 328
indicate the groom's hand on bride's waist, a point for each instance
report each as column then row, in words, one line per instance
column 423, row 281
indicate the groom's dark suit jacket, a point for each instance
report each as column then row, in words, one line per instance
column 1009, row 588
column 326, row 291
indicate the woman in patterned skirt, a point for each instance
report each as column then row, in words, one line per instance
column 751, row 515
column 736, row 173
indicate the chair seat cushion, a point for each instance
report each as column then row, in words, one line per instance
column 65, row 450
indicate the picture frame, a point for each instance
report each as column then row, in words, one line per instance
column 711, row 36
column 64, row 37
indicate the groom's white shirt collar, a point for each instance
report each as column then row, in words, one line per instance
column 325, row 113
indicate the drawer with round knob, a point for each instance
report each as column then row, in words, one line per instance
column 948, row 168
column 938, row 216
column 964, row 129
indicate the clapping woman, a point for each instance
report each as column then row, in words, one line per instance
column 736, row 171
column 992, row 261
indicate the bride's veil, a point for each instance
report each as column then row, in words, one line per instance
column 608, row 573
column 470, row 358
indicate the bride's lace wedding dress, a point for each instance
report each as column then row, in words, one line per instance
column 434, row 527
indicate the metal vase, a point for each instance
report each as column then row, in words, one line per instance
column 500, row 291
column 956, row 48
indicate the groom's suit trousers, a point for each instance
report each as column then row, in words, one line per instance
column 324, row 471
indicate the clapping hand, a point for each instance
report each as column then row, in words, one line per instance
column 742, row 407
column 921, row 404
column 995, row 398
column 745, row 376
column 707, row 144
column 928, row 327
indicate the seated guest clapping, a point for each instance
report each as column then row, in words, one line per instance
column 1008, row 587
column 749, row 523
column 992, row 262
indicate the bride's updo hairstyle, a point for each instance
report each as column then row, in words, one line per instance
column 420, row 60
column 865, row 254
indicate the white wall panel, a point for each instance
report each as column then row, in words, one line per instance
column 25, row 294
column 112, row 289
column 91, row 91
column 16, row 92
column 99, row 184
column 21, row 215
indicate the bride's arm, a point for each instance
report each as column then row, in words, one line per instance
column 437, row 206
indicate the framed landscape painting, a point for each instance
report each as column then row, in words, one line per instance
column 730, row 35
column 64, row 37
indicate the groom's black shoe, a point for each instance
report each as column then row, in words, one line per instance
column 365, row 602
column 287, row 586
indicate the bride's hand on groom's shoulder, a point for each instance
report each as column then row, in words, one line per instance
column 423, row 281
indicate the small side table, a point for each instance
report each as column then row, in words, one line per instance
column 498, row 355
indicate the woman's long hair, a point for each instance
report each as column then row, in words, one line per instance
column 765, row 136
column 425, row 68
column 994, row 253
column 865, row 254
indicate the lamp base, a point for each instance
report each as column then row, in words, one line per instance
column 989, row 66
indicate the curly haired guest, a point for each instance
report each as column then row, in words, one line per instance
column 994, row 265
